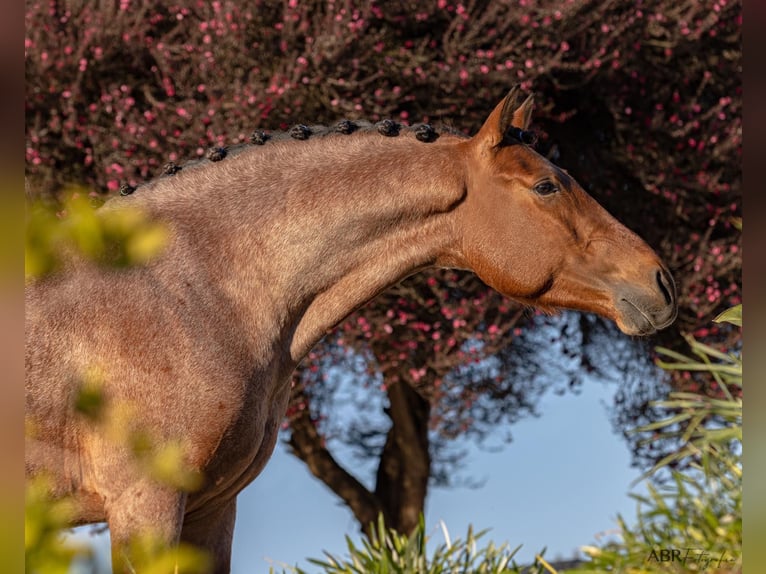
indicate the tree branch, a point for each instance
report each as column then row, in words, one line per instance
column 308, row 445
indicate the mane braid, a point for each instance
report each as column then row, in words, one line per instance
column 423, row 132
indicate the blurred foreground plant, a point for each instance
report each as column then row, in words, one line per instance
column 44, row 519
column 112, row 238
column 47, row 517
column 116, row 240
column 692, row 522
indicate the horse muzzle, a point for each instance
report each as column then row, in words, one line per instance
column 643, row 311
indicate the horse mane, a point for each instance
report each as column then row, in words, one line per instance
column 423, row 132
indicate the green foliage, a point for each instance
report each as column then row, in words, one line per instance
column 112, row 238
column 387, row 551
column 47, row 552
column 697, row 512
column 150, row 556
column 732, row 315
column 44, row 518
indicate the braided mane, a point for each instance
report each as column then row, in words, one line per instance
column 423, row 132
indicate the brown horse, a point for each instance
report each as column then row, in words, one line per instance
column 272, row 246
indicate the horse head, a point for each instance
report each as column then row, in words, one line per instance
column 529, row 230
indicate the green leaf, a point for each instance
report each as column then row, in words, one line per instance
column 732, row 315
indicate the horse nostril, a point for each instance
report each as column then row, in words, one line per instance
column 666, row 286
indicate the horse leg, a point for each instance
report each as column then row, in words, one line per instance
column 149, row 509
column 211, row 529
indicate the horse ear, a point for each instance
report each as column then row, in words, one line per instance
column 522, row 115
column 509, row 112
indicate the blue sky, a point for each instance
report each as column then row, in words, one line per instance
column 560, row 484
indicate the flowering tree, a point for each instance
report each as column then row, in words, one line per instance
column 640, row 101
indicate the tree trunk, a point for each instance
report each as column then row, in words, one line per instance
column 403, row 470
column 405, row 464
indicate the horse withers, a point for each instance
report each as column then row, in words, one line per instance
column 269, row 248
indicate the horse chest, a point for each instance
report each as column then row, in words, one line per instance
column 246, row 444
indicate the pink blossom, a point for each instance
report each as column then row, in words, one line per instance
column 168, row 85
column 417, row 374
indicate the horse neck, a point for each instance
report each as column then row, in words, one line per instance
column 306, row 232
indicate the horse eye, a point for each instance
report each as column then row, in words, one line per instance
column 545, row 188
